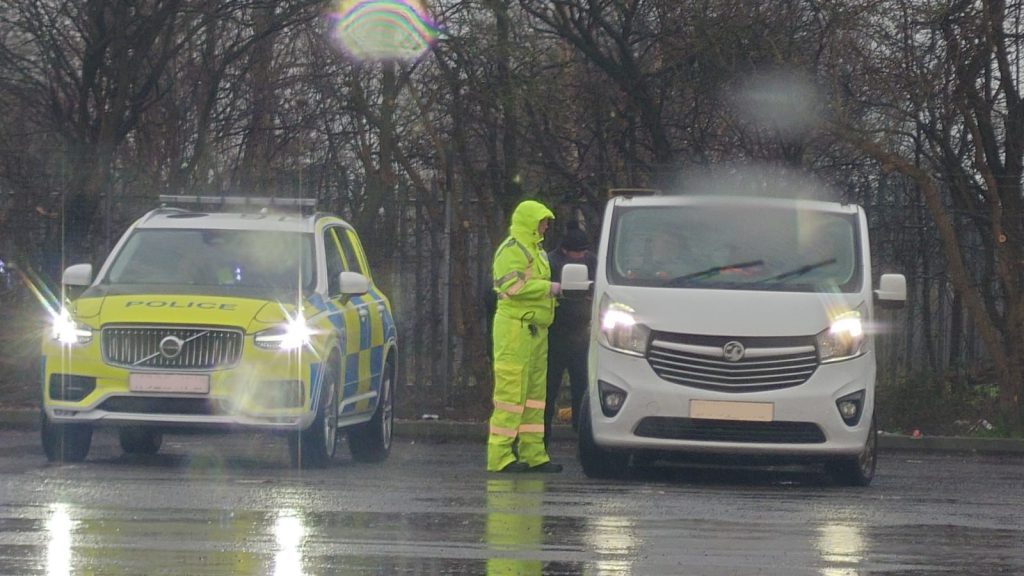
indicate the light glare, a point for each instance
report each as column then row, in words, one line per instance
column 617, row 317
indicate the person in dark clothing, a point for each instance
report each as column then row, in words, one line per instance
column 569, row 334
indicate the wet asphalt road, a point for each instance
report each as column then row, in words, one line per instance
column 231, row 505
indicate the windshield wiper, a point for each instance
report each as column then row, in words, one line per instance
column 712, row 271
column 797, row 271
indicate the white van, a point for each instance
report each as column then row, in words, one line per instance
column 731, row 325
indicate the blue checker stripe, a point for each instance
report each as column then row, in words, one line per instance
column 351, row 373
column 377, row 361
column 314, row 389
column 317, row 301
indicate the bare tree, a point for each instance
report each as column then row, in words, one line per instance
column 931, row 91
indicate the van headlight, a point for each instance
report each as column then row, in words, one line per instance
column 293, row 334
column 619, row 329
column 844, row 339
column 64, row 329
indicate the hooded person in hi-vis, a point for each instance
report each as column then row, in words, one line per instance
column 526, row 307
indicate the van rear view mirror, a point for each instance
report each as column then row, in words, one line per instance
column 892, row 291
column 574, row 277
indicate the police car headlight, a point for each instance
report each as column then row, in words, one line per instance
column 844, row 339
column 65, row 330
column 619, row 329
column 293, row 334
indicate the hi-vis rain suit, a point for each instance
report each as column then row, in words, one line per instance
column 525, row 310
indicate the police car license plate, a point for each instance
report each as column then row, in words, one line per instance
column 176, row 383
column 718, row 410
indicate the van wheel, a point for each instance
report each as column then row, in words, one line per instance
column 596, row 461
column 859, row 470
column 371, row 442
column 140, row 440
column 65, row 442
column 314, row 447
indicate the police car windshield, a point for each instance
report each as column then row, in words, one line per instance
column 734, row 247
column 223, row 261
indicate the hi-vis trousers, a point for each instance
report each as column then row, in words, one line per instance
column 520, row 385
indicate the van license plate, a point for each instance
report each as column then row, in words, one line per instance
column 176, row 383
column 718, row 410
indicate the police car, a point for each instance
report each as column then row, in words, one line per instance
column 258, row 318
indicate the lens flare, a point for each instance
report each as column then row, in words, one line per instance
column 382, row 30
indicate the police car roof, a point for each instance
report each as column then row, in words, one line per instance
column 170, row 218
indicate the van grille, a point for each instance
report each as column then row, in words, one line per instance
column 699, row 362
column 730, row 431
column 201, row 348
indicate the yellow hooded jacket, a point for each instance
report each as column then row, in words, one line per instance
column 521, row 273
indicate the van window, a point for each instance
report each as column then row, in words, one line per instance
column 734, row 247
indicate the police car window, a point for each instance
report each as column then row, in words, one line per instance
column 243, row 259
column 361, row 253
column 351, row 259
column 334, row 264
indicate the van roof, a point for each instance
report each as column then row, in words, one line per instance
column 723, row 200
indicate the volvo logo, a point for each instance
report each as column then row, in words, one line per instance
column 170, row 347
column 733, row 351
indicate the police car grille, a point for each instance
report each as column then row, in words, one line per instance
column 201, row 348
column 178, row 406
column 698, row 362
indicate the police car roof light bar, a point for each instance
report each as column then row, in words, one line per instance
column 304, row 205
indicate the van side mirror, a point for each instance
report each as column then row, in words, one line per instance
column 79, row 275
column 892, row 291
column 353, row 284
column 574, row 277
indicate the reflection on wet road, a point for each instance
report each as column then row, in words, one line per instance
column 231, row 505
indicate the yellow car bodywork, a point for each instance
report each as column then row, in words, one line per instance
column 264, row 388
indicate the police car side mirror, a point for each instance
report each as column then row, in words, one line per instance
column 77, row 275
column 574, row 277
column 353, row 284
column 892, row 291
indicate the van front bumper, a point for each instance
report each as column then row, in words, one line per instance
column 805, row 420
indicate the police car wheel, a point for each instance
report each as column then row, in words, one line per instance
column 371, row 442
column 315, row 446
column 596, row 461
column 859, row 470
column 140, row 440
column 65, row 442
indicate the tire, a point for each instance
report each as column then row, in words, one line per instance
column 371, row 441
column 315, row 446
column 596, row 461
column 65, row 442
column 859, row 470
column 140, row 440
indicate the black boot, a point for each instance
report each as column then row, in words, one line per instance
column 548, row 467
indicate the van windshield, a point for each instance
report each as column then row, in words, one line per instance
column 239, row 262
column 734, row 247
